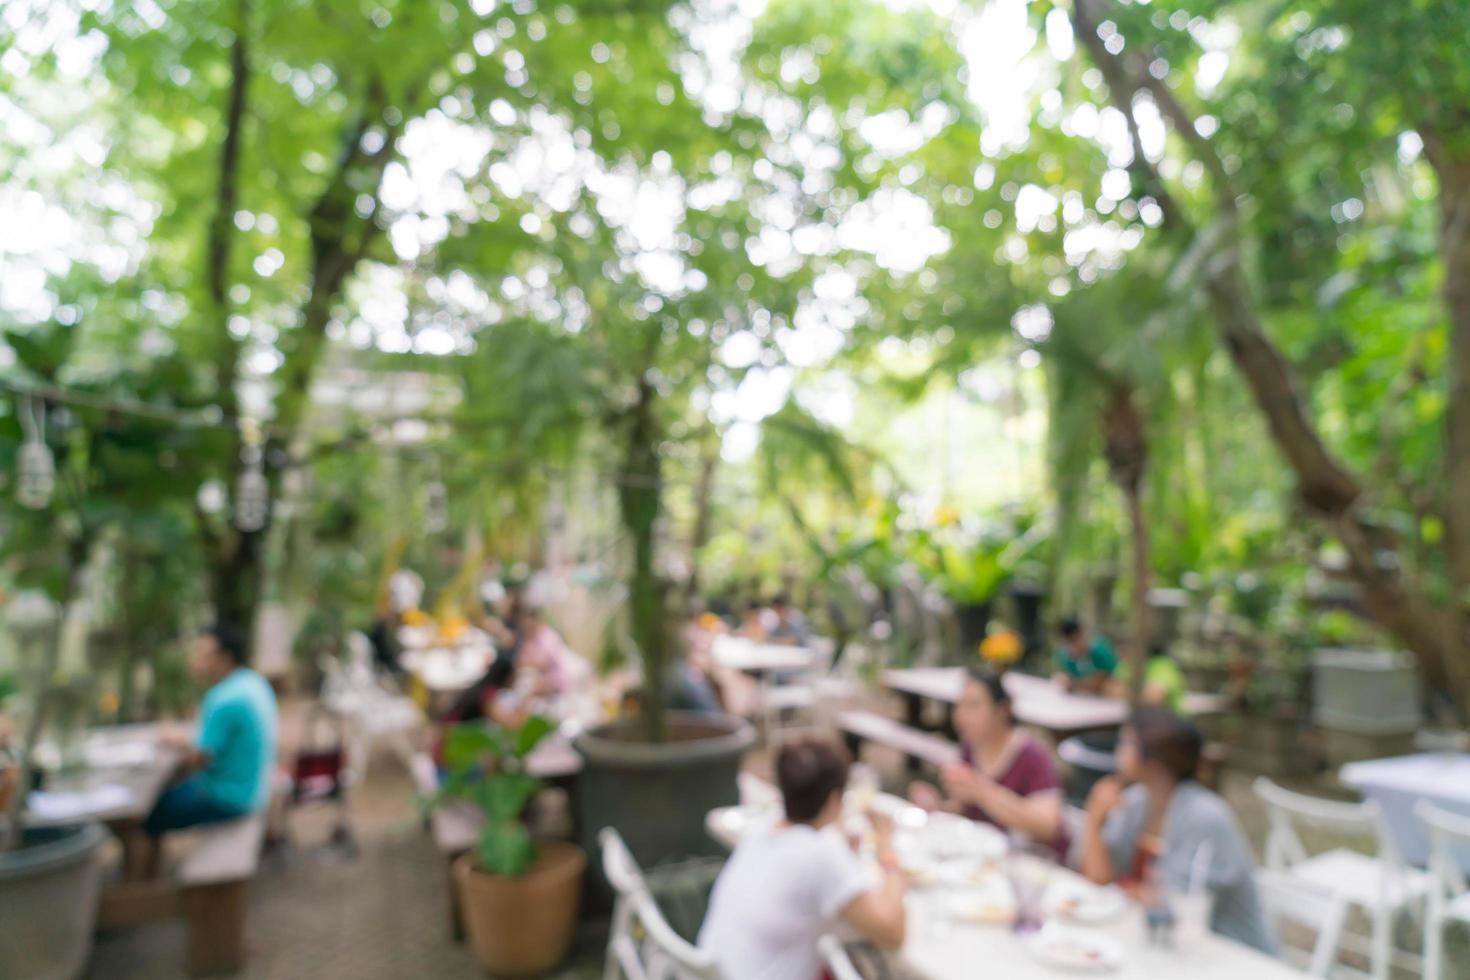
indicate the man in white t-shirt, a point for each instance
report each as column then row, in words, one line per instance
column 781, row 892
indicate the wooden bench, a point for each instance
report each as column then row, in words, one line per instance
column 207, row 891
column 917, row 746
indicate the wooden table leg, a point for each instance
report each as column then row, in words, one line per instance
column 914, row 710
column 215, row 915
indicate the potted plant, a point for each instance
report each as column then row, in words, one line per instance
column 970, row 564
column 49, row 877
column 518, row 897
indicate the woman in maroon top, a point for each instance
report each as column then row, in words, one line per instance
column 1004, row 776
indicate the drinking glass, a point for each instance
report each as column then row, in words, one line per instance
column 1191, row 917
column 1029, row 868
column 863, row 786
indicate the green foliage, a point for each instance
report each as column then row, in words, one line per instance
column 487, row 767
column 970, row 562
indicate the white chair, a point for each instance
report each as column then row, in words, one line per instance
column 642, row 945
column 1379, row 884
column 1288, row 900
column 838, row 963
column 1449, row 895
column 372, row 716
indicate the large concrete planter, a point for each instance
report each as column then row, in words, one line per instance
column 656, row 795
column 48, row 903
column 1365, row 692
column 522, row 926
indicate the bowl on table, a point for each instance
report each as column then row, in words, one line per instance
column 1075, row 950
column 1080, row 901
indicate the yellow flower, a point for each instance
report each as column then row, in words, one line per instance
column 416, row 617
column 1003, row 647
column 453, row 628
column 945, row 516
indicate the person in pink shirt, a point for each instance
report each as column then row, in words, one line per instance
column 545, row 655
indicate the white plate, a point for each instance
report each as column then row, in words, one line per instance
column 1076, row 950
column 948, row 835
column 987, row 904
column 1086, row 903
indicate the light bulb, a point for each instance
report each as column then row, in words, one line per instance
column 252, row 500
column 36, row 480
column 436, row 507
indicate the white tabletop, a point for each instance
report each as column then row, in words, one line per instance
column 1398, row 783
column 940, row 947
column 1436, row 775
column 447, row 669
column 1036, row 701
column 738, row 653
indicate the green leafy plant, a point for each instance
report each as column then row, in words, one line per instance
column 487, row 766
column 970, row 565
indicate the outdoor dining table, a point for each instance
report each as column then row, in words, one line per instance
column 750, row 657
column 942, row 946
column 1442, row 778
column 1035, row 701
column 123, row 771
column 448, row 670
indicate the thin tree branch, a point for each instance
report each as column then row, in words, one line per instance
column 221, row 229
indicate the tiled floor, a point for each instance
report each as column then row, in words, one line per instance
column 314, row 913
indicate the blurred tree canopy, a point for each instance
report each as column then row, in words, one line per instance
column 1229, row 236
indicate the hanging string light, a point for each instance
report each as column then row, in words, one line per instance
column 436, row 504
column 252, row 490
column 36, row 479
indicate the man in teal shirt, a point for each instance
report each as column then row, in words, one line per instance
column 1084, row 662
column 228, row 770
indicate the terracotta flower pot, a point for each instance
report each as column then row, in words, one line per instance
column 522, row 927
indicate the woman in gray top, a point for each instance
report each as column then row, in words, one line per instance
column 1163, row 820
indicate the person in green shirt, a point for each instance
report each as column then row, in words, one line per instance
column 1084, row 662
column 1163, row 682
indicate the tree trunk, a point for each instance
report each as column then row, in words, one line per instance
column 1454, row 242
column 1438, row 635
column 640, row 499
column 1125, row 444
column 709, row 461
column 235, row 579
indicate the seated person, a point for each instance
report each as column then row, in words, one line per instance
column 1163, row 682
column 1148, row 834
column 1084, row 662
column 790, row 627
column 753, row 623
column 227, row 774
column 548, row 666
column 383, row 635
column 1004, row 776
column 694, row 681
column 781, row 892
